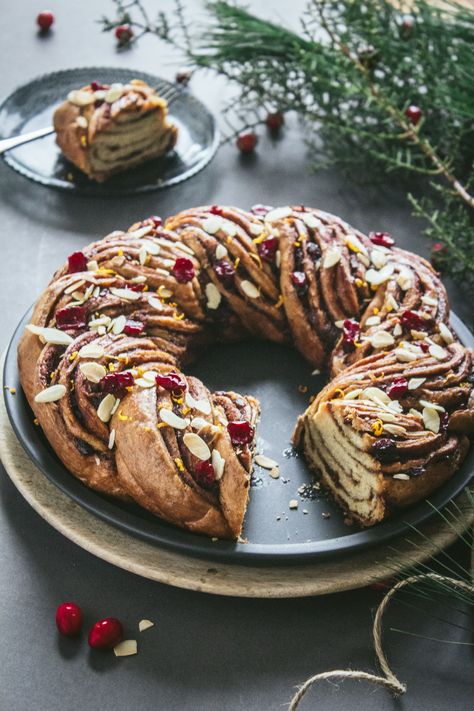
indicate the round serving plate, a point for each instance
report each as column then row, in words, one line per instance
column 273, row 532
column 31, row 107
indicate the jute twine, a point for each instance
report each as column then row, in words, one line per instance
column 388, row 680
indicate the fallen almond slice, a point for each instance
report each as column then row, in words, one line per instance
column 126, row 648
column 173, row 420
column 197, row 446
column 275, row 473
column 91, row 350
column 249, row 289
column 263, row 461
column 50, row 335
column 218, row 462
column 145, row 625
column 51, row 394
column 331, row 258
column 94, row 372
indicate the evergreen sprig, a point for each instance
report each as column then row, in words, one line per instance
column 350, row 74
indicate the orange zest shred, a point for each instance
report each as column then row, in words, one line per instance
column 261, row 238
column 179, row 464
column 338, row 393
column 377, row 427
column 73, row 356
column 236, row 263
column 280, row 302
column 178, row 317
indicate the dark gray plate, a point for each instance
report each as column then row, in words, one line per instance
column 31, row 107
column 276, row 375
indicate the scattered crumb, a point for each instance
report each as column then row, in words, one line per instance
column 12, row 391
column 145, row 625
column 305, row 511
column 214, row 539
column 278, row 518
column 325, row 514
column 303, row 388
column 126, row 648
column 293, row 504
column 274, row 473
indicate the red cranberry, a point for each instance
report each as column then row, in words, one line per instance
column 260, row 210
column 424, row 346
column 205, row 474
column 275, row 121
column 216, row 210
column 184, row 75
column 410, row 319
column 268, row 248
column 385, row 450
column 77, row 262
column 116, row 383
column 171, row 381
column 97, row 86
column 382, row 239
column 225, row 271
column 413, row 114
column 350, row 331
column 133, row 328
column 124, row 34
column 183, row 270
column 247, row 142
column 69, row 619
column 71, row 317
column 299, row 279
column 240, row 431
column 105, row 634
column 397, row 388
column 44, row 20
column 136, row 287
column 154, row 220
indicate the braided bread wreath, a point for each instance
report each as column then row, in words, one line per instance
column 101, row 362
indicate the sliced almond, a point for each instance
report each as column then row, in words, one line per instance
column 151, row 247
column 431, row 419
column 378, row 258
column 266, row 462
column 218, row 462
column 145, row 625
column 197, row 446
column 51, row 394
column 199, row 422
column 127, row 294
column 278, row 259
column 249, row 289
column 395, row 429
column 171, row 419
column 114, row 93
column 381, row 339
column 402, row 476
column 275, row 473
column 372, row 321
column 331, row 257
column 50, row 335
column 81, row 98
column 391, row 302
column 278, row 214
column 155, row 303
column 119, row 324
column 92, row 350
column 111, row 439
column 104, row 411
column 229, row 228
column 405, row 280
column 94, row 372
column 203, row 405
column 405, row 356
column 221, row 252
column 437, row 352
column 142, row 255
column 145, row 383
column 213, row 296
column 397, row 330
column 255, row 228
column 429, row 300
column 414, row 383
column 163, row 291
column 82, row 122
column 376, row 277
column 139, row 279
column 434, row 405
column 126, row 648
column 293, row 504
column 445, row 333
column 310, row 220
column 141, row 232
column 353, row 394
column 376, row 395
column 212, row 224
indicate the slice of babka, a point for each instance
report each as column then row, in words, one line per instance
column 106, row 129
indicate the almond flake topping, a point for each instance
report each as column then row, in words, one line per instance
column 114, row 93
column 434, row 405
column 381, row 339
column 229, row 228
column 405, row 356
column 199, row 422
column 353, row 394
column 119, row 324
column 437, row 352
column 266, row 462
column 127, row 294
column 221, row 251
column 375, row 277
column 249, row 289
column 145, row 625
column 213, row 296
column 378, row 258
column 332, row 257
column 171, row 419
column 376, row 395
column 278, row 214
column 142, row 255
column 405, row 280
column 82, row 122
column 372, row 321
column 397, row 329
column 155, row 303
column 310, row 220
column 151, row 247
column 145, row 383
column 74, row 286
column 50, row 335
column 91, row 350
column 81, row 98
column 255, row 228
column 278, row 259
column 218, row 462
column 139, row 280
column 126, row 648
column 392, row 304
column 212, row 224
column 445, row 333
column 415, row 383
column 431, row 419
column 51, row 394
column 104, row 411
column 395, row 429
column 429, row 300
column 111, row 439
column 401, row 475
column 141, row 232
column 197, row 446
column 94, row 372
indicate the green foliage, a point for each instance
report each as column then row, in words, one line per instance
column 350, row 73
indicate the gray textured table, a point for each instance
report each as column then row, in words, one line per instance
column 205, row 652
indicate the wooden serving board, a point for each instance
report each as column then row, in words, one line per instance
column 149, row 561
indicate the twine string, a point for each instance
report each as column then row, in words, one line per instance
column 389, row 680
